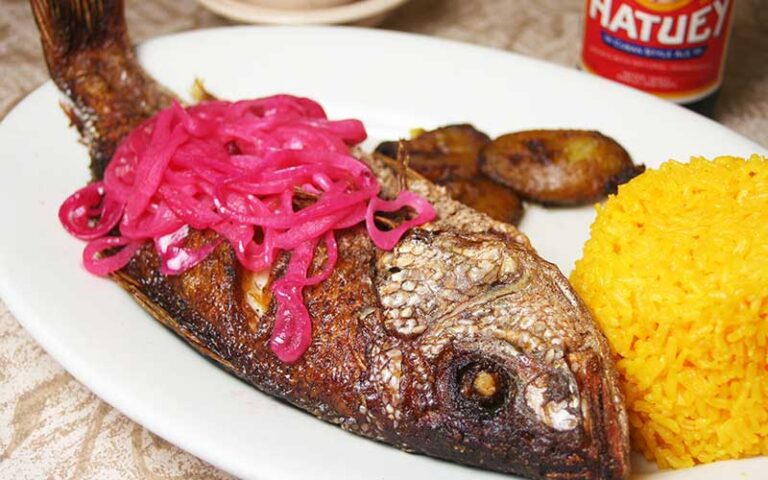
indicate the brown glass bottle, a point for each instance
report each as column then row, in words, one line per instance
column 704, row 106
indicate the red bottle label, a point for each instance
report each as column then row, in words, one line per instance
column 672, row 48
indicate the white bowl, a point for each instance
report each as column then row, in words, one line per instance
column 298, row 4
column 360, row 12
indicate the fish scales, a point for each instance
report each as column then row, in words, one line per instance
column 460, row 343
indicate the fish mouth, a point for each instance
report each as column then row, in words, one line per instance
column 604, row 420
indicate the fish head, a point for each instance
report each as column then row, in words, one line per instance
column 506, row 362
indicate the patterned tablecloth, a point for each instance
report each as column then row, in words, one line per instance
column 53, row 427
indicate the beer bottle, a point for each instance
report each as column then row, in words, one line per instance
column 674, row 49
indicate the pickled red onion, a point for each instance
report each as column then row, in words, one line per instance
column 234, row 168
column 89, row 214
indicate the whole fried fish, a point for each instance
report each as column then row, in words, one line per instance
column 461, row 343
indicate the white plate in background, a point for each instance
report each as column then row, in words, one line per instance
column 393, row 82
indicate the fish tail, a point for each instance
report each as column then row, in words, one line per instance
column 90, row 58
column 71, row 26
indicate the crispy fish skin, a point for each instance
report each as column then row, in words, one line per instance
column 461, row 343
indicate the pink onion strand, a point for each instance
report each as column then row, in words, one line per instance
column 234, row 168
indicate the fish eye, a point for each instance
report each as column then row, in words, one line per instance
column 483, row 384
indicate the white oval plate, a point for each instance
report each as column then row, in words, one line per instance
column 360, row 12
column 393, row 82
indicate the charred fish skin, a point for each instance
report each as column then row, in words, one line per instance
column 461, row 343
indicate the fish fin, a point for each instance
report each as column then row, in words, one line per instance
column 90, row 58
column 451, row 214
column 130, row 285
column 403, row 161
column 199, row 93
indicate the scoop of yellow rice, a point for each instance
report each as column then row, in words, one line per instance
column 676, row 274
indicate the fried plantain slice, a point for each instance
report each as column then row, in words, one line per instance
column 448, row 156
column 485, row 195
column 447, row 153
column 559, row 167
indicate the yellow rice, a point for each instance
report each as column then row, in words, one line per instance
column 676, row 274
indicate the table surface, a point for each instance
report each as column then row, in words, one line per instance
column 53, row 427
